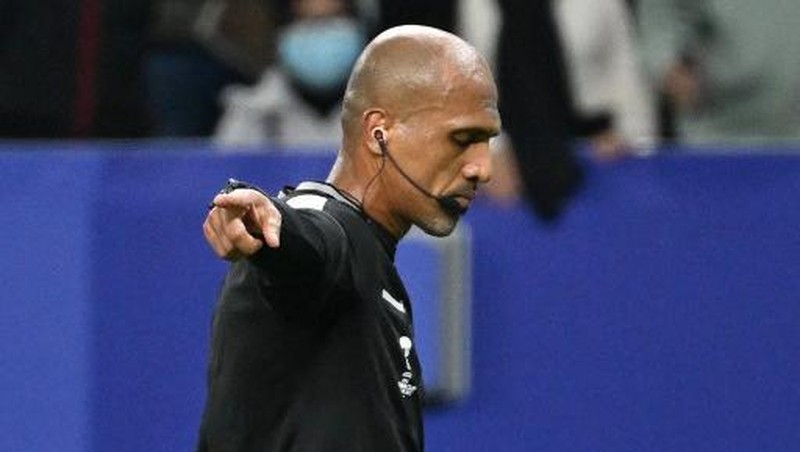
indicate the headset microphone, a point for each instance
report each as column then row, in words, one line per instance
column 449, row 205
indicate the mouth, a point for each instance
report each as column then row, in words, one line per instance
column 461, row 201
column 457, row 202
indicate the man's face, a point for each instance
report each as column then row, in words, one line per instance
column 443, row 144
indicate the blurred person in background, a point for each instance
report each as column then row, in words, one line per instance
column 72, row 68
column 614, row 104
column 196, row 48
column 297, row 101
column 731, row 68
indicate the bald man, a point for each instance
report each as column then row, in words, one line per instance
column 313, row 346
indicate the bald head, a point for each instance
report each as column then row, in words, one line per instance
column 406, row 67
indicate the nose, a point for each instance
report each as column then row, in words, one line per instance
column 478, row 167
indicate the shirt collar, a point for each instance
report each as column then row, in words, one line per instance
column 386, row 239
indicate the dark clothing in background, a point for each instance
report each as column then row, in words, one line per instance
column 440, row 13
column 37, row 67
column 536, row 105
column 121, row 90
column 71, row 68
column 197, row 48
column 184, row 84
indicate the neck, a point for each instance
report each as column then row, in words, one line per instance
column 363, row 182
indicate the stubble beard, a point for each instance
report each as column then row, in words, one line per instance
column 441, row 225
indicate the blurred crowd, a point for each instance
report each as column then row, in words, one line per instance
column 619, row 76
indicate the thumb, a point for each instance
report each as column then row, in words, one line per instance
column 268, row 219
column 272, row 231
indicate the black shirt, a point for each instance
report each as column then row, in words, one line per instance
column 313, row 347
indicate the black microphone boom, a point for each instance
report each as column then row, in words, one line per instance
column 447, row 203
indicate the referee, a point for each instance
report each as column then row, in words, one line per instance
column 313, row 346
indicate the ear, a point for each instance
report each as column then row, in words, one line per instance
column 375, row 129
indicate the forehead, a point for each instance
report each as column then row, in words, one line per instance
column 470, row 102
column 449, row 95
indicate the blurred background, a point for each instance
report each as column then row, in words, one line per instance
column 627, row 282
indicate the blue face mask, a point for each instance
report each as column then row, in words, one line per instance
column 319, row 54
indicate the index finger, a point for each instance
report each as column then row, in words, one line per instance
column 243, row 198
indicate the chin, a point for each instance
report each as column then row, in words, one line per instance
column 440, row 227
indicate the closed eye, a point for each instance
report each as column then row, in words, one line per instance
column 466, row 138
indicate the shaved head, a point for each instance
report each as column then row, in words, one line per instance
column 406, row 67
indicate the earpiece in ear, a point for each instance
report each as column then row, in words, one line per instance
column 378, row 134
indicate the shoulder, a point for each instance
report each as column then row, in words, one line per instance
column 307, row 201
column 321, row 197
column 326, row 214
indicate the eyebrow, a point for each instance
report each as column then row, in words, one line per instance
column 476, row 133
